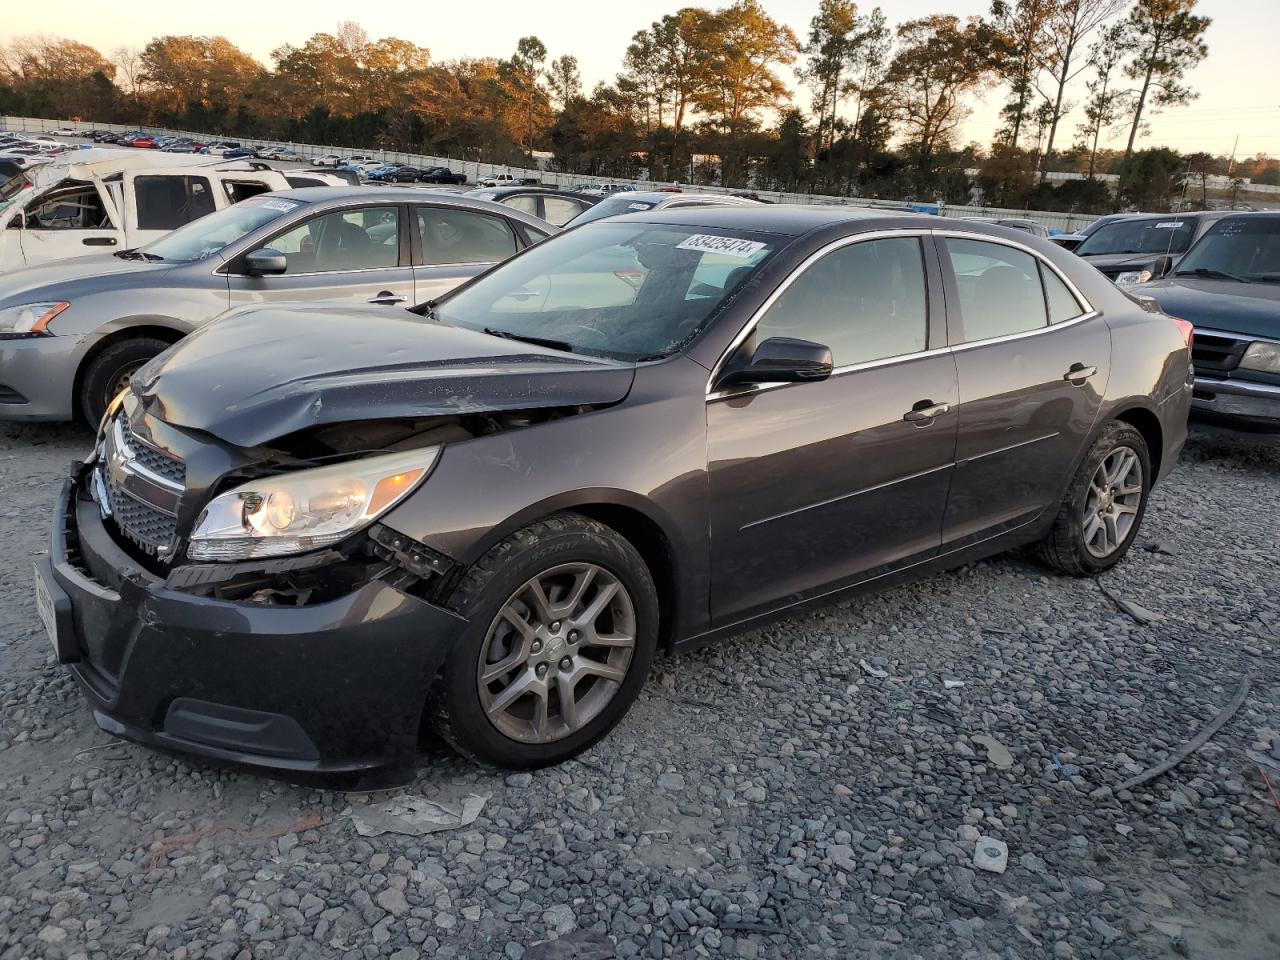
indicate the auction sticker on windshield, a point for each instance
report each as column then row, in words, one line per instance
column 270, row 203
column 726, row 246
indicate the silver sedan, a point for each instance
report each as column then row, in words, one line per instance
column 72, row 334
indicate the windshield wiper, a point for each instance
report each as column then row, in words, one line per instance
column 137, row 255
column 1206, row 272
column 536, row 341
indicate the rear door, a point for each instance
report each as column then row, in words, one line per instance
column 156, row 203
column 452, row 244
column 355, row 254
column 1033, row 360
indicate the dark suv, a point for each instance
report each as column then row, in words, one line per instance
column 304, row 530
column 1228, row 286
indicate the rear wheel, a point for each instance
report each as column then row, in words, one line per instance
column 111, row 371
column 1103, row 509
column 563, row 628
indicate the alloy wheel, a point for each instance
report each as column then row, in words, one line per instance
column 557, row 653
column 1112, row 502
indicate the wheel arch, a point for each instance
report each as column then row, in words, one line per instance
column 1146, row 423
column 654, row 547
column 156, row 329
column 642, row 524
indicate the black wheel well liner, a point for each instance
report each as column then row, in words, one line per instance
column 1147, row 424
column 140, row 332
column 654, row 548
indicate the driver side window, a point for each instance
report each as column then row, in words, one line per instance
column 361, row 239
column 74, row 208
column 866, row 301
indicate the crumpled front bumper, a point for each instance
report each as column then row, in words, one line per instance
column 328, row 687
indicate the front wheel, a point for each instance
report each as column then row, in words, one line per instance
column 563, row 628
column 1103, row 509
column 111, row 371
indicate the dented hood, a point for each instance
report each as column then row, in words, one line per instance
column 263, row 372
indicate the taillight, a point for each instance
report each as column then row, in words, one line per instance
column 1186, row 329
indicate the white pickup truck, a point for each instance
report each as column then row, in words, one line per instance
column 99, row 201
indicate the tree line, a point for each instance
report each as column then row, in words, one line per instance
column 700, row 98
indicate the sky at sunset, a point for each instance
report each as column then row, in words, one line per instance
column 1238, row 94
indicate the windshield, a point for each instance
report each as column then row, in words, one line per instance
column 1247, row 247
column 629, row 291
column 204, row 237
column 11, row 188
column 612, row 206
column 1139, row 236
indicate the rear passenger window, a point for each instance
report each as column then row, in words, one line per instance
column 999, row 287
column 866, row 301
column 524, row 202
column 461, row 236
column 167, row 202
column 1063, row 304
column 560, row 211
column 238, row 190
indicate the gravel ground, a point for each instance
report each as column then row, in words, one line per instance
column 768, row 797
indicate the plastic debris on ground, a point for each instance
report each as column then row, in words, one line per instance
column 997, row 752
column 871, row 671
column 991, row 855
column 415, row 816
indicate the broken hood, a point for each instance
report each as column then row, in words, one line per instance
column 264, row 372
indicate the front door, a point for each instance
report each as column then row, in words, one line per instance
column 815, row 485
column 74, row 220
column 1032, row 363
column 351, row 255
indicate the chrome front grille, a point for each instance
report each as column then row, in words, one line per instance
column 148, row 457
column 139, row 488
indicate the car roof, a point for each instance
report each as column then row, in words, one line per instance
column 324, row 195
column 787, row 219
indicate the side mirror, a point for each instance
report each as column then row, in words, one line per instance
column 265, row 262
column 780, row 360
column 1162, row 266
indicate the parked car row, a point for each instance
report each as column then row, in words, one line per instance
column 1218, row 270
column 486, row 469
column 89, row 201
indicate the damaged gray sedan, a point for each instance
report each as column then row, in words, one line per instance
column 306, row 535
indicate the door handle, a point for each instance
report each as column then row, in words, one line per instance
column 387, row 298
column 1079, row 373
column 99, row 241
column 924, row 412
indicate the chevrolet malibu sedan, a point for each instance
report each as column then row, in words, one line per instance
column 306, row 533
column 72, row 334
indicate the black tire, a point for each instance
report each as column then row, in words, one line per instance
column 105, row 371
column 455, row 707
column 1064, row 548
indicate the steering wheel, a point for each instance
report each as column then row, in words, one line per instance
column 600, row 338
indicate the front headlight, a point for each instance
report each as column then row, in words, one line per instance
column 305, row 510
column 1263, row 357
column 28, row 319
column 1134, row 276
